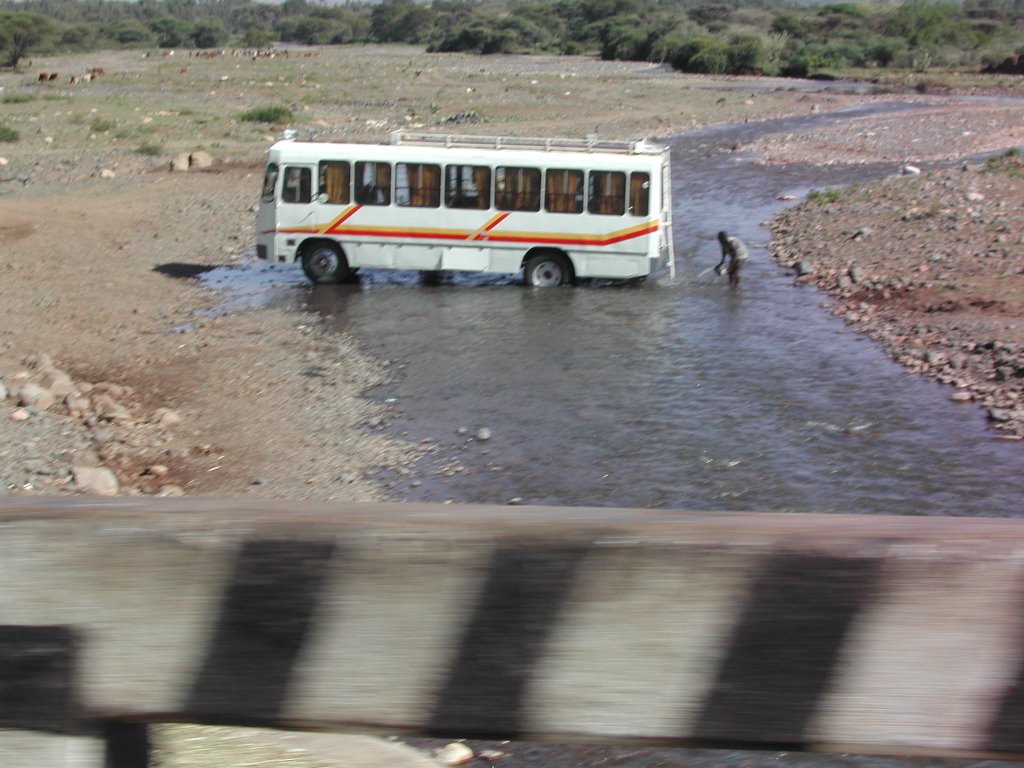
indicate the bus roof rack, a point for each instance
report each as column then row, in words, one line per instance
column 589, row 144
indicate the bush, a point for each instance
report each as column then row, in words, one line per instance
column 706, row 56
column 8, row 134
column 273, row 114
column 17, row 98
column 825, row 196
column 99, row 125
column 149, row 149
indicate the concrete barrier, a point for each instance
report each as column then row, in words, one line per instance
column 869, row 634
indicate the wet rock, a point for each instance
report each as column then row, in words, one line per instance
column 484, row 433
column 462, row 431
column 961, row 397
column 1000, row 415
column 98, row 481
column 803, row 268
column 909, row 170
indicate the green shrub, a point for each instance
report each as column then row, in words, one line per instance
column 273, row 114
column 150, row 149
column 100, row 125
column 824, row 196
column 17, row 98
column 8, row 134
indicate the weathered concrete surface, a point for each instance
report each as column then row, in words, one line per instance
column 874, row 633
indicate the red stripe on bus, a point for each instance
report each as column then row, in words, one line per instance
column 330, row 228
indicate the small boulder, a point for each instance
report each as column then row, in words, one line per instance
column 455, row 753
column 77, row 405
column 165, row 417
column 34, row 396
column 200, row 160
column 180, row 162
column 58, row 382
column 98, row 481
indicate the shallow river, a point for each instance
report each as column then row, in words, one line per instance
column 682, row 394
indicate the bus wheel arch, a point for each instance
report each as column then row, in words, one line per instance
column 548, row 267
column 323, row 261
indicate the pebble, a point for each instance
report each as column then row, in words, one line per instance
column 484, row 433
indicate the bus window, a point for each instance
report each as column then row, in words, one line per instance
column 516, row 189
column 639, row 193
column 373, row 183
column 417, row 185
column 564, row 191
column 298, row 185
column 269, row 183
column 606, row 194
column 467, row 186
column 334, row 181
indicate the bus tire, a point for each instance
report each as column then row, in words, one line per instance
column 324, row 263
column 547, row 270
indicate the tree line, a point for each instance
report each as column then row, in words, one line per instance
column 768, row 37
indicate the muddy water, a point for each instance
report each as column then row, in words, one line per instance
column 680, row 394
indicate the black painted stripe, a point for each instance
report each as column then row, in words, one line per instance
column 520, row 602
column 126, row 745
column 784, row 648
column 37, row 679
column 266, row 612
column 1006, row 731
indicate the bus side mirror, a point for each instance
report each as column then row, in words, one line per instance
column 322, row 198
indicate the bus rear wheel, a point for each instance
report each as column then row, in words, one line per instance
column 547, row 270
column 324, row 263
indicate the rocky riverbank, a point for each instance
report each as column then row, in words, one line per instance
column 931, row 266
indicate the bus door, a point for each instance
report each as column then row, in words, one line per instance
column 296, row 207
column 266, row 215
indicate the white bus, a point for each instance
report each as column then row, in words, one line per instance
column 557, row 209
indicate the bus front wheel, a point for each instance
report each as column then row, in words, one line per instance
column 324, row 263
column 547, row 270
